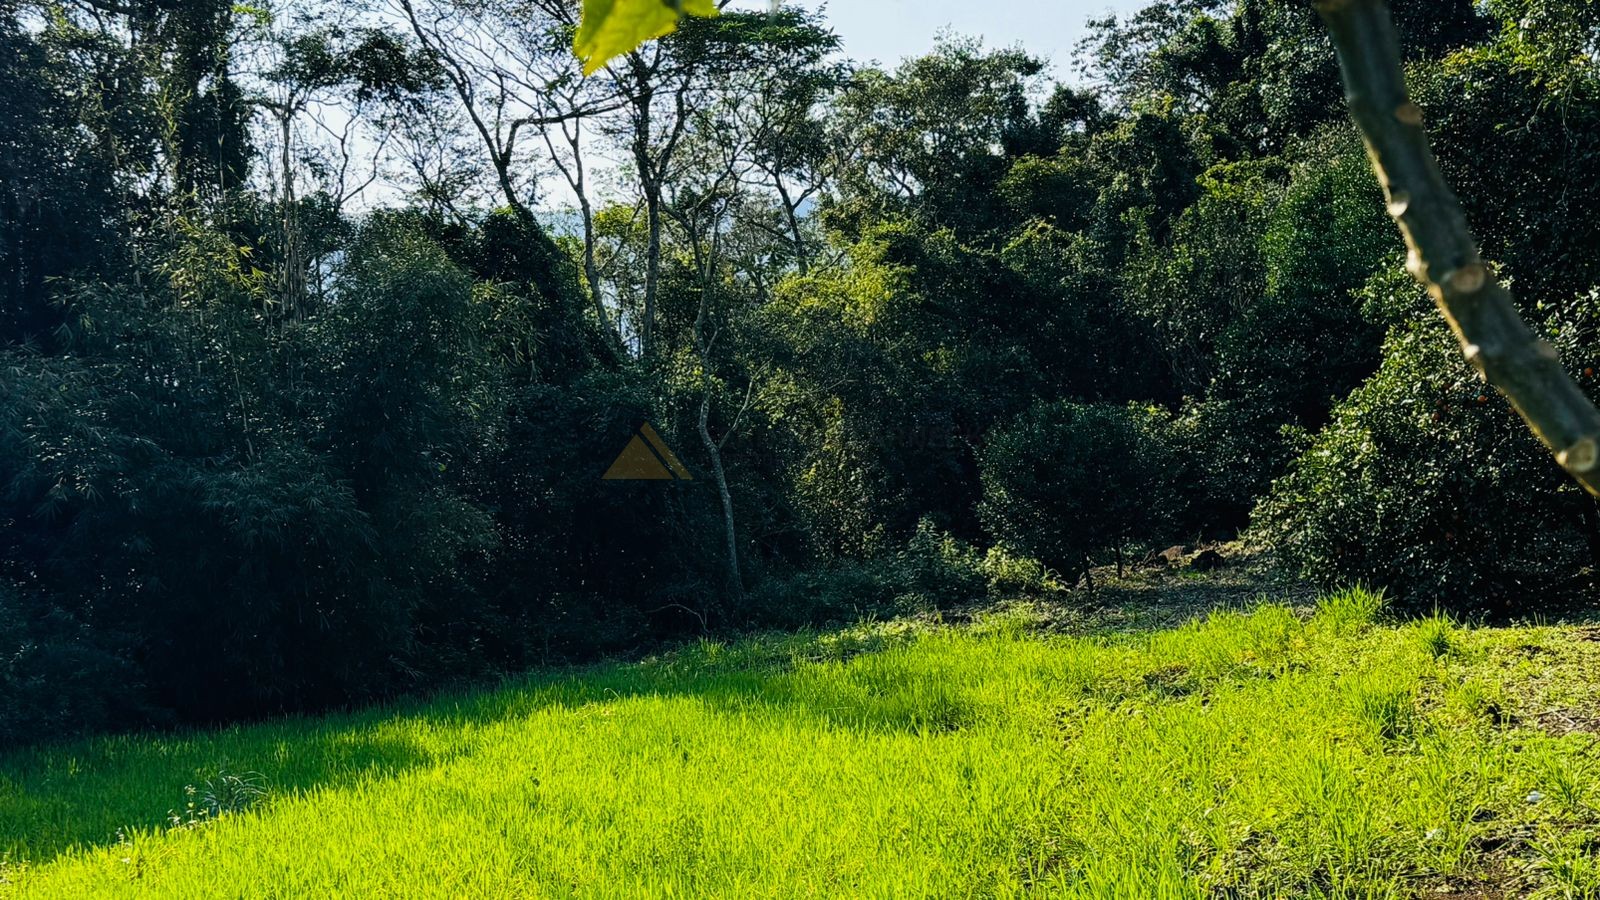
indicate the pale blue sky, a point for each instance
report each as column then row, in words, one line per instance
column 890, row 30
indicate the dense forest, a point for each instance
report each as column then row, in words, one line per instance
column 320, row 325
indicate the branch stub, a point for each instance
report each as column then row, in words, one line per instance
column 1408, row 113
column 1581, row 456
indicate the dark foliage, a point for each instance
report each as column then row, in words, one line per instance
column 946, row 332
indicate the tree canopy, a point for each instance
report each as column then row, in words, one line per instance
column 322, row 326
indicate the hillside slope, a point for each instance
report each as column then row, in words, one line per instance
column 1256, row 752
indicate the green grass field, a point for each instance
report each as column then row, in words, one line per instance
column 1266, row 752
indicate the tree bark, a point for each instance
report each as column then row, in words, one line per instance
column 802, row 260
column 1443, row 255
column 650, row 185
column 1591, row 528
column 652, row 268
column 735, row 577
column 702, row 345
column 591, row 268
column 577, row 179
column 293, row 281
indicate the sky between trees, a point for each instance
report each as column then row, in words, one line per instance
column 890, row 30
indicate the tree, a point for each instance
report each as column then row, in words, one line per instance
column 511, row 66
column 728, row 137
column 1066, row 482
column 310, row 68
column 935, row 137
column 775, row 102
column 58, row 202
column 501, row 104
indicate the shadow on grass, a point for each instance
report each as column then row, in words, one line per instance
column 55, row 800
column 1149, row 598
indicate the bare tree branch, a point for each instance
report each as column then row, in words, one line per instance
column 1444, row 256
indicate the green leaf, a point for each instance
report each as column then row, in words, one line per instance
column 611, row 28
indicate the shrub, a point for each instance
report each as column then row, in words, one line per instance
column 56, row 678
column 1067, row 482
column 844, row 591
column 1231, row 450
column 939, row 567
column 932, row 570
column 1011, row 575
column 1426, row 483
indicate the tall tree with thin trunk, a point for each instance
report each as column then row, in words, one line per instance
column 701, row 201
column 505, row 70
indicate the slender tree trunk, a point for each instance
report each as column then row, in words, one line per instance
column 730, row 534
column 652, row 267
column 293, row 282
column 1591, row 528
column 502, row 170
column 650, row 184
column 578, row 179
column 802, row 260
column 706, row 263
column 591, row 268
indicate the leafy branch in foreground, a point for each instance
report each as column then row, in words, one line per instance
column 611, row 28
column 1444, row 255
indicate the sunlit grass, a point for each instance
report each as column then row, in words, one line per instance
column 1258, row 753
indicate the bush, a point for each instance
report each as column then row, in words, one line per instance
column 937, row 566
column 1231, row 451
column 57, row 679
column 932, row 570
column 1011, row 576
column 1067, row 482
column 1427, row 484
